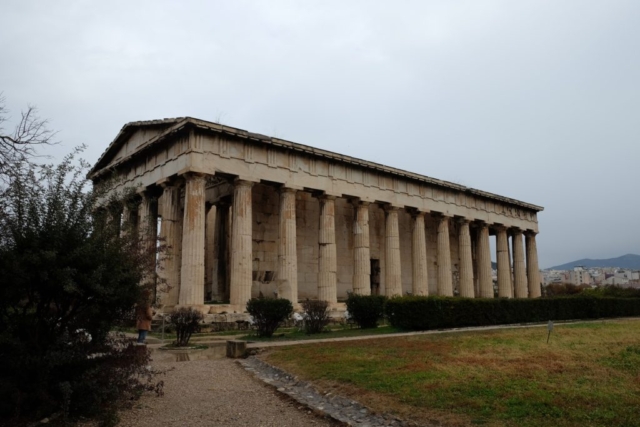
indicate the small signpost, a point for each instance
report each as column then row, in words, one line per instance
column 549, row 328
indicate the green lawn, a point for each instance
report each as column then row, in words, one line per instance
column 588, row 375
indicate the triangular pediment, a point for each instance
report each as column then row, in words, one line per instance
column 131, row 138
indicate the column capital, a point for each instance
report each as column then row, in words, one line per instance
column 359, row 202
column 530, row 233
column 170, row 182
column 390, row 208
column 462, row 220
column 515, row 230
column 440, row 215
column 326, row 197
column 415, row 212
column 284, row 189
column 239, row 182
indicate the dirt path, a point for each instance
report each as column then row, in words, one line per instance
column 215, row 393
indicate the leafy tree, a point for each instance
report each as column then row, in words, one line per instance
column 67, row 277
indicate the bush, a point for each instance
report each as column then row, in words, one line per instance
column 422, row 313
column 268, row 314
column 316, row 316
column 366, row 310
column 186, row 322
column 67, row 277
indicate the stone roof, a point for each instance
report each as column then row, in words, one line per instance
column 176, row 124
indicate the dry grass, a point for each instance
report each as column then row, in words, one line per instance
column 588, row 375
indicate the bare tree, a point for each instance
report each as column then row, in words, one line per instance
column 19, row 146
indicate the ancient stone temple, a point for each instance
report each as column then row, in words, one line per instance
column 245, row 215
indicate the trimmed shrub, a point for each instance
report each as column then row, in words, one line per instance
column 316, row 316
column 422, row 313
column 186, row 322
column 366, row 310
column 268, row 314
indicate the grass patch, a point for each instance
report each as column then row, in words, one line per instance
column 588, row 375
column 293, row 334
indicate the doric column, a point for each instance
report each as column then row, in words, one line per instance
column 210, row 272
column 361, row 254
column 519, row 270
column 287, row 278
column 241, row 244
column 466, row 262
column 533, row 272
column 147, row 232
column 327, row 261
column 445, row 282
column 483, row 256
column 193, row 227
column 393, row 278
column 171, row 236
column 420, row 284
column 504, row 264
column 129, row 217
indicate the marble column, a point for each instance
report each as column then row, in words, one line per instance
column 420, row 283
column 504, row 264
column 483, row 256
column 533, row 271
column 361, row 253
column 466, row 261
column 171, row 238
column 327, row 261
column 287, row 278
column 193, row 230
column 445, row 280
column 210, row 273
column 129, row 218
column 147, row 233
column 393, row 278
column 241, row 244
column 519, row 269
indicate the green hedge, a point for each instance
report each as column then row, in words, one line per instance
column 421, row 313
column 366, row 310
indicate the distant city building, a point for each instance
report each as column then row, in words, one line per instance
column 580, row 276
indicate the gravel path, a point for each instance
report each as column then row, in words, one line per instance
column 216, row 393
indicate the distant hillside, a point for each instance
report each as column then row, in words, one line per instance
column 629, row 261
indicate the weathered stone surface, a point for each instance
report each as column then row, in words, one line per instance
column 344, row 410
column 241, row 244
column 236, row 349
column 192, row 270
column 504, row 265
column 325, row 235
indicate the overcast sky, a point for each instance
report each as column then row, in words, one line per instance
column 534, row 100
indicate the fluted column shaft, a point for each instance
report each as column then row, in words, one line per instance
column 171, row 236
column 287, row 252
column 519, row 270
column 147, row 232
column 327, row 261
column 241, row 244
column 445, row 280
column 483, row 256
column 533, row 272
column 420, row 283
column 210, row 272
column 393, row 278
column 193, row 229
column 361, row 253
column 504, row 264
column 466, row 261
